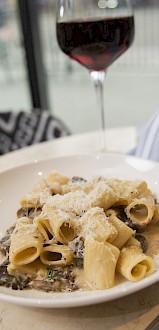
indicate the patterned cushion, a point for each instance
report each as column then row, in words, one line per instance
column 21, row 129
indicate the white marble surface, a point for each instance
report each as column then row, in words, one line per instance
column 132, row 312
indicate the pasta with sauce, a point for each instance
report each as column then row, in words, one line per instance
column 71, row 226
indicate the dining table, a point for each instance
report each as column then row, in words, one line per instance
column 134, row 311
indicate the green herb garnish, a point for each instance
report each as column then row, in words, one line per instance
column 51, row 274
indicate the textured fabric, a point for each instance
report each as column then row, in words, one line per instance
column 148, row 139
column 21, row 129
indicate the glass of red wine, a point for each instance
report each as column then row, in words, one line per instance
column 95, row 33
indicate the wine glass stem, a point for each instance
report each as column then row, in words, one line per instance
column 98, row 80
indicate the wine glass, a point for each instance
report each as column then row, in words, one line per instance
column 95, row 33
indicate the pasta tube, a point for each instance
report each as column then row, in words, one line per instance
column 102, row 195
column 44, row 227
column 23, row 221
column 141, row 210
column 79, row 201
column 128, row 190
column 63, row 224
column 56, row 182
column 56, row 255
column 37, row 197
column 95, row 224
column 123, row 232
column 26, row 244
column 72, row 202
column 99, row 264
column 133, row 241
column 133, row 264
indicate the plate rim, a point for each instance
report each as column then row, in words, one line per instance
column 84, row 155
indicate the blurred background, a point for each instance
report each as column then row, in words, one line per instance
column 35, row 73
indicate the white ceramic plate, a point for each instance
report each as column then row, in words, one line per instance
column 17, row 181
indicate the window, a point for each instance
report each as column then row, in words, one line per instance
column 14, row 91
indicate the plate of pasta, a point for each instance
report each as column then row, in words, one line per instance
column 78, row 230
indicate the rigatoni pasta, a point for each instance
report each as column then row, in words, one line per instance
column 43, row 225
column 26, row 243
column 99, row 264
column 38, row 196
column 141, row 210
column 70, row 229
column 124, row 232
column 56, row 255
column 95, row 224
column 63, row 224
column 133, row 264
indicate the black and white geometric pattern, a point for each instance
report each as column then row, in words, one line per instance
column 21, row 129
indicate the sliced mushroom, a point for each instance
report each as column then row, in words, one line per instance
column 78, row 179
column 143, row 242
column 45, row 285
column 60, row 279
column 29, row 212
column 135, row 226
column 18, row 282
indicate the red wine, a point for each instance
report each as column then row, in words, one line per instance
column 96, row 43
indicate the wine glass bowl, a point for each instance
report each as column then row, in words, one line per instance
column 95, row 35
